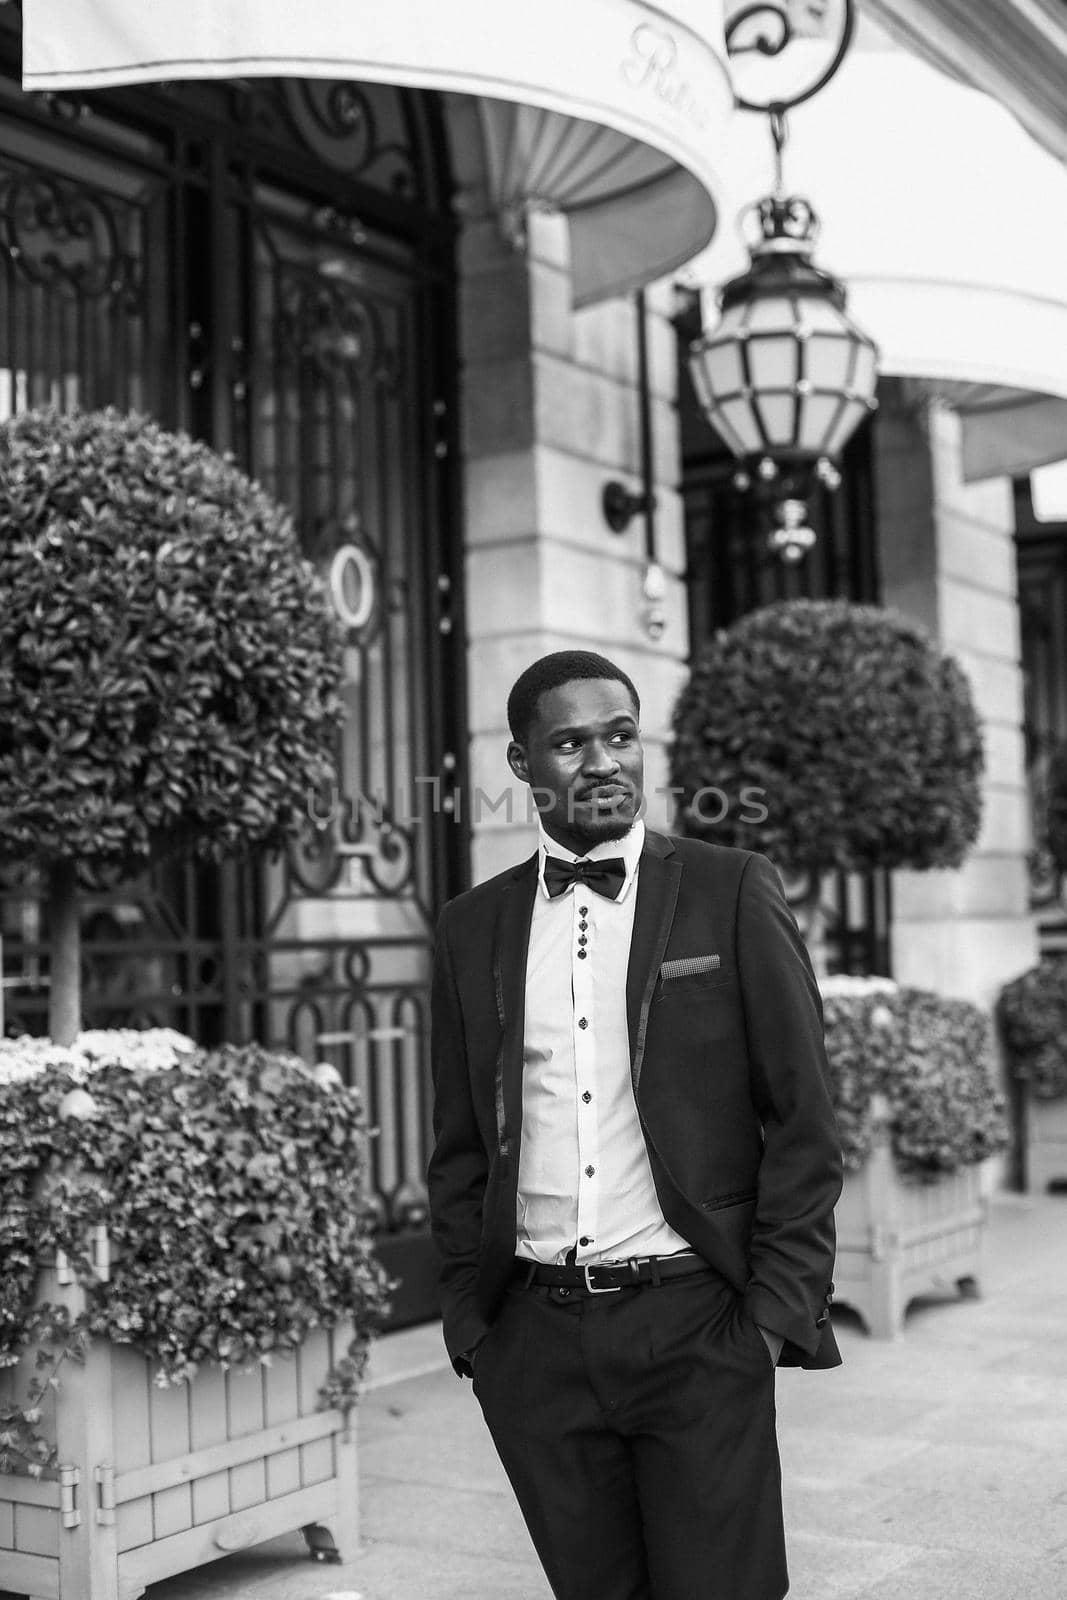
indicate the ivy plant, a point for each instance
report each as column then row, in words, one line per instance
column 169, row 670
column 931, row 1057
column 1032, row 1013
column 232, row 1187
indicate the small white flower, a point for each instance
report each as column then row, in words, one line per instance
column 79, row 1104
column 847, row 986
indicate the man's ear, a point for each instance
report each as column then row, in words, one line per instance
column 517, row 761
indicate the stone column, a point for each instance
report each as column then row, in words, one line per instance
column 948, row 561
column 549, row 408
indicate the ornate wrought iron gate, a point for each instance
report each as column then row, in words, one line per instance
column 269, row 265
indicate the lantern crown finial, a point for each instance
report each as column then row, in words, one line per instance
column 783, row 222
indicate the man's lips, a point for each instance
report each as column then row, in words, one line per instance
column 613, row 794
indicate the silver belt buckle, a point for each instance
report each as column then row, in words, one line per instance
column 615, row 1288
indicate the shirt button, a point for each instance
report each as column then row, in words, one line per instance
column 583, row 1022
column 582, row 954
column 589, row 1171
column 583, row 911
column 582, row 939
column 587, row 1097
column 585, row 1239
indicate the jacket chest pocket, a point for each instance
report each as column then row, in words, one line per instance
column 694, row 986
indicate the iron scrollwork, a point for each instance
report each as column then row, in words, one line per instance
column 343, row 829
column 65, row 237
column 767, row 28
column 338, row 122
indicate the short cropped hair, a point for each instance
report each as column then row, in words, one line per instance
column 552, row 672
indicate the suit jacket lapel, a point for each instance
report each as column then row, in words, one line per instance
column 657, row 895
column 509, row 976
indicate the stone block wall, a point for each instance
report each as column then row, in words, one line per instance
column 948, row 560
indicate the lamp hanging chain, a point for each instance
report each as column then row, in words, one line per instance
column 779, row 134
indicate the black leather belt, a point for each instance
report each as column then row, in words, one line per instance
column 608, row 1277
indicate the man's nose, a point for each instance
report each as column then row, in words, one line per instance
column 600, row 758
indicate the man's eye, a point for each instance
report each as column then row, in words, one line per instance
column 623, row 738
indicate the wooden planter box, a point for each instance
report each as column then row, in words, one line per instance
column 1046, row 1143
column 897, row 1240
column 156, row 1481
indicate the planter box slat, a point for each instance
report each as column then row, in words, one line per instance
column 36, row 1531
column 248, row 1482
column 282, row 1400
column 898, row 1240
column 1046, row 1143
column 34, row 1575
column 183, row 1551
column 20, row 1491
column 931, row 1231
column 132, row 1424
column 194, row 1455
column 207, row 1427
column 217, row 1458
column 168, row 1416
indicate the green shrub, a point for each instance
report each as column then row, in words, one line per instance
column 168, row 666
column 862, row 738
column 232, row 1186
column 931, row 1057
column 1032, row 1013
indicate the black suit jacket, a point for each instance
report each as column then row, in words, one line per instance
column 729, row 1076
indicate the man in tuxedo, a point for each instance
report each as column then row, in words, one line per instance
column 635, row 1169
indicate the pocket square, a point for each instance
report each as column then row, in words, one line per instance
column 687, row 965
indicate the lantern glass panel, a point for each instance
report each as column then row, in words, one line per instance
column 818, row 413
column 821, row 316
column 772, row 313
column 722, row 368
column 773, row 363
column 741, row 420
column 828, row 364
column 778, row 413
column 865, row 373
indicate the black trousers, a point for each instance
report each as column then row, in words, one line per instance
column 638, row 1432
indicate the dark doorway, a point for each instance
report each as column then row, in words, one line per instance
column 270, row 265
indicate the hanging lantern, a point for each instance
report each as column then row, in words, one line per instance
column 786, row 376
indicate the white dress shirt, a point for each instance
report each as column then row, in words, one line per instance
column 584, row 1173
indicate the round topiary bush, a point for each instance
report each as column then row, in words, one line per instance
column 169, row 668
column 828, row 735
column 1032, row 1013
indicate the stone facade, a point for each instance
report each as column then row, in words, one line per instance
column 948, row 561
column 549, row 414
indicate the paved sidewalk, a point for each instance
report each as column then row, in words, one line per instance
column 933, row 1467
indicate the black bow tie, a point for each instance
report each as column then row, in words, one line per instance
column 606, row 877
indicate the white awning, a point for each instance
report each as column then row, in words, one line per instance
column 613, row 111
column 948, row 225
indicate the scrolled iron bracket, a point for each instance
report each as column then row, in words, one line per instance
column 774, row 39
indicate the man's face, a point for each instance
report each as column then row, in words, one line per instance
column 584, row 763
